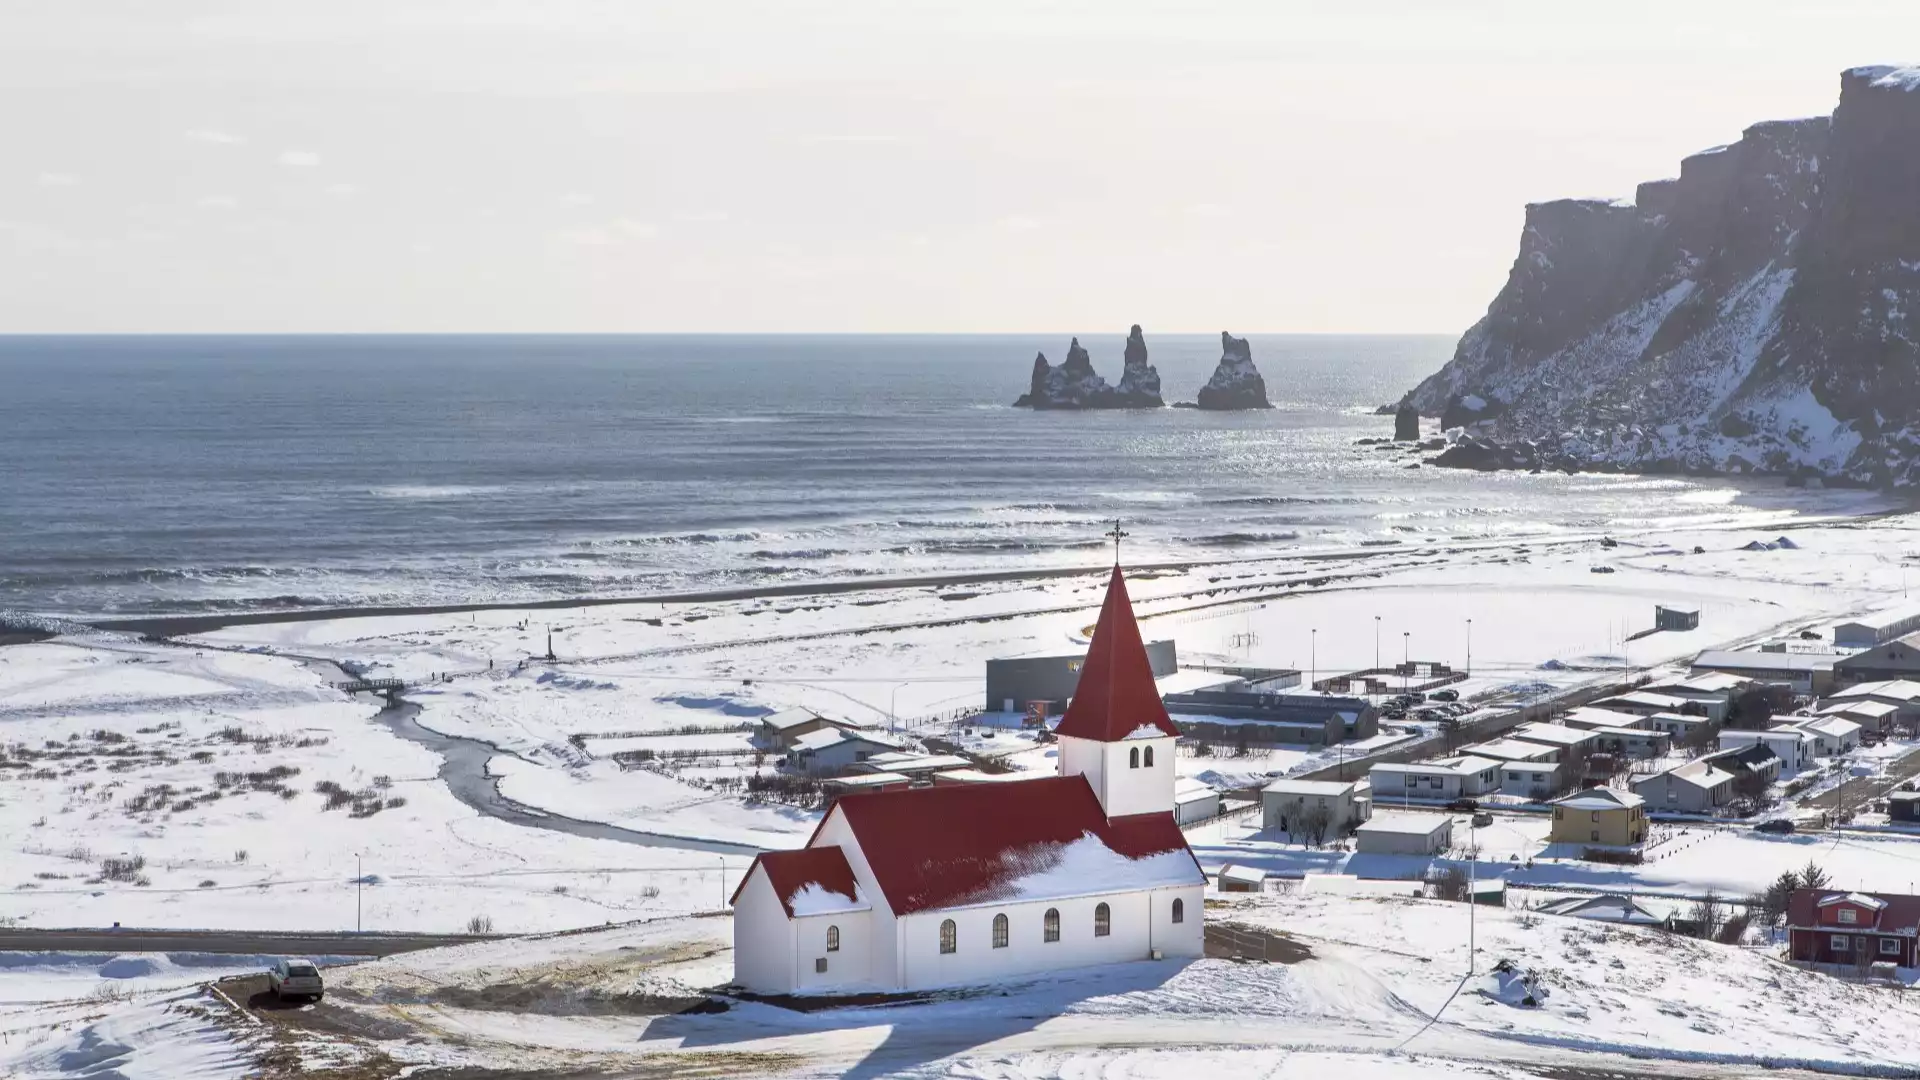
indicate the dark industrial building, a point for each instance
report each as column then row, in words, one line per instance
column 1015, row 683
column 1267, row 714
column 1676, row 617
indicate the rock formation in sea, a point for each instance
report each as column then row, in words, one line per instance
column 1759, row 313
column 1139, row 382
column 1406, row 423
column 1075, row 385
column 1236, row 383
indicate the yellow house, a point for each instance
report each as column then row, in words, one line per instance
column 1599, row 816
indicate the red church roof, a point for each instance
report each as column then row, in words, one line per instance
column 791, row 871
column 1116, row 695
column 941, row 847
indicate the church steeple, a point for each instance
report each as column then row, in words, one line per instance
column 1116, row 732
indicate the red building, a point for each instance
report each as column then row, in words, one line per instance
column 1826, row 926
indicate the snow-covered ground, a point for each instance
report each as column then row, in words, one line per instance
column 1383, row 993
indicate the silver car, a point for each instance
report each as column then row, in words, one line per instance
column 294, row 977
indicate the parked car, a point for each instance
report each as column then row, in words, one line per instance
column 1395, row 714
column 1416, row 697
column 1445, row 695
column 1464, row 804
column 1777, row 825
column 294, row 977
column 1482, row 819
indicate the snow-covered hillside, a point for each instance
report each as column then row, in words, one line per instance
column 1752, row 315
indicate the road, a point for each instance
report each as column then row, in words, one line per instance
column 237, row 943
column 1856, row 792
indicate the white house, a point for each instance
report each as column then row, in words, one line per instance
column 1794, row 748
column 1831, row 734
column 830, row 750
column 1404, row 834
column 1567, row 742
column 1447, row 778
column 1194, row 800
column 963, row 883
column 1283, row 801
column 1588, row 717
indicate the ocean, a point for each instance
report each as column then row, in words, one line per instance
column 145, row 475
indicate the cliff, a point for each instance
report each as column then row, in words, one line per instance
column 1236, row 383
column 1075, row 385
column 1754, row 314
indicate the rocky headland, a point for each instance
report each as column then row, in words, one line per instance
column 1760, row 313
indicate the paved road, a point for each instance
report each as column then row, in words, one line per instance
column 222, row 941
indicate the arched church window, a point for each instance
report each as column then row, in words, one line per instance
column 1149, row 757
column 833, row 936
column 999, row 931
column 1051, row 925
column 949, row 937
column 1133, row 758
column 1102, row 921
column 1179, row 910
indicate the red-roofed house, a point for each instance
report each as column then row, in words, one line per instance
column 966, row 883
column 1827, row 926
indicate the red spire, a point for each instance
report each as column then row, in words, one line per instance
column 1116, row 695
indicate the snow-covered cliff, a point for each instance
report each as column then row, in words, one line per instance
column 1755, row 314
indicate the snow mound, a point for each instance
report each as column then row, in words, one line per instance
column 1510, row 984
column 129, row 967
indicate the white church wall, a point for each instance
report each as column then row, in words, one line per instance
column 882, row 958
column 762, row 938
column 848, row 968
column 1084, row 757
column 1027, row 952
column 1187, row 938
column 1145, row 790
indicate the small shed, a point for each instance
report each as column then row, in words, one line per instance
column 1404, row 834
column 1903, row 806
column 1676, row 617
column 1235, row 878
column 1194, row 801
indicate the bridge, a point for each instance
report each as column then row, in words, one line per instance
column 385, row 687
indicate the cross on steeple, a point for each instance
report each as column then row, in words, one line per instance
column 1117, row 535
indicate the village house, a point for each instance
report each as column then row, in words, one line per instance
column 1807, row 673
column 1607, row 908
column 1442, row 780
column 1825, row 926
column 950, row 884
column 1897, row 659
column 1404, row 834
column 1698, row 787
column 779, row 731
column 1599, row 816
column 1632, row 742
column 830, row 750
column 1589, row 718
column 1682, row 728
column 1236, row 878
column 1874, row 717
column 1831, row 734
column 1568, row 743
column 1902, row 694
column 1751, row 758
column 1713, row 691
column 1283, row 801
column 1194, row 800
column 1646, row 703
column 1792, row 746
column 1903, row 806
column 1877, row 628
column 1526, row 769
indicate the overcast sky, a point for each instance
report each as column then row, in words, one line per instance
column 450, row 165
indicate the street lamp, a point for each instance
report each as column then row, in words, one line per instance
column 893, row 698
column 1376, row 642
column 1313, row 658
column 358, row 879
column 1406, row 659
column 1469, row 647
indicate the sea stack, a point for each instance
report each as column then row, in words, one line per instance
column 1075, row 385
column 1406, row 423
column 1236, row 383
column 1072, row 385
column 1139, row 382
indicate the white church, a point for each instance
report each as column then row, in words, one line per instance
column 941, row 886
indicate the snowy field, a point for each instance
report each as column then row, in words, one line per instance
column 98, row 730
column 1383, row 993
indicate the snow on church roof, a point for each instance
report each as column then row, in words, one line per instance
column 1116, row 695
column 810, row 881
column 962, row 844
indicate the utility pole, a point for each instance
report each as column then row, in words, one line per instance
column 358, row 877
column 1313, row 658
column 1406, row 659
column 1469, row 647
column 723, row 883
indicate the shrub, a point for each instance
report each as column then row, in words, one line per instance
column 122, row 868
column 651, row 892
column 1611, row 855
column 480, row 924
column 240, row 855
column 208, row 883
